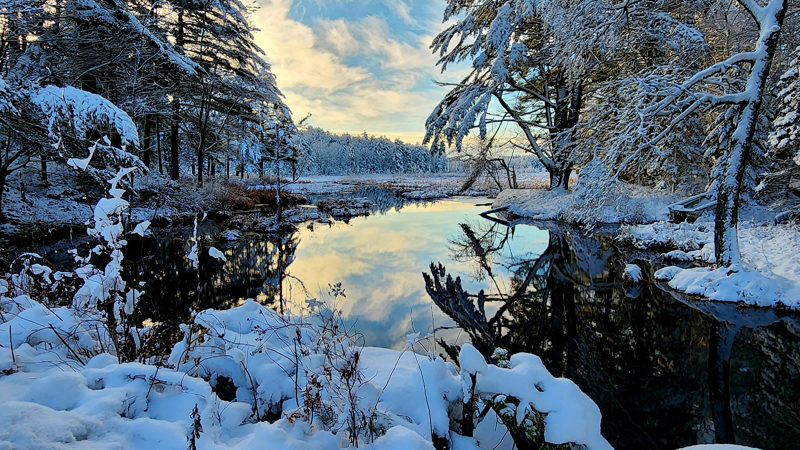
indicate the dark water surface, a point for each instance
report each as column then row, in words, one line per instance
column 666, row 372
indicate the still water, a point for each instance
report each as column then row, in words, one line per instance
column 665, row 371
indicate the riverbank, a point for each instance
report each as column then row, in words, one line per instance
column 632, row 204
column 42, row 213
column 768, row 276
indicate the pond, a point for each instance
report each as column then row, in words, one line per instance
column 665, row 371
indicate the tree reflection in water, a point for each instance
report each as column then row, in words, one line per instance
column 666, row 372
column 255, row 267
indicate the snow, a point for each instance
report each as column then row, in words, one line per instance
column 633, row 205
column 141, row 228
column 216, row 254
column 571, row 414
column 632, row 273
column 733, row 285
column 768, row 275
column 50, row 398
column 471, row 360
column 84, row 111
column 717, row 447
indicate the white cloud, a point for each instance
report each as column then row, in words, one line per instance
column 296, row 60
column 351, row 75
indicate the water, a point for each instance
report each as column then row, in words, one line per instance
column 665, row 371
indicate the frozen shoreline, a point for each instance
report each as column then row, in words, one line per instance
column 768, row 277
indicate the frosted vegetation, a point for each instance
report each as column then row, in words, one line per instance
column 84, row 372
column 330, row 154
column 626, row 107
column 713, row 110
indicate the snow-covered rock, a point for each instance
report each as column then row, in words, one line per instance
column 632, row 273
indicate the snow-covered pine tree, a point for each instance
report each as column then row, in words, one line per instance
column 784, row 139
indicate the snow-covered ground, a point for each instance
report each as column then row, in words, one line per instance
column 633, row 204
column 60, row 387
column 770, row 270
column 68, row 199
column 420, row 187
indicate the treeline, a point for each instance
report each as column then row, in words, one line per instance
column 325, row 153
column 169, row 86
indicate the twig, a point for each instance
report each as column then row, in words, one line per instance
column 424, row 390
column 65, row 343
column 99, row 338
column 152, row 381
column 253, row 387
column 11, row 344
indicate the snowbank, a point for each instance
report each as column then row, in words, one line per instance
column 56, row 392
column 632, row 205
column 770, row 271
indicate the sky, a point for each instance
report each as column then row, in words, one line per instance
column 356, row 65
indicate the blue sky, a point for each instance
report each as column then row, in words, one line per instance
column 356, row 65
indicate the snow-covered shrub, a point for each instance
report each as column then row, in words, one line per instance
column 37, row 281
column 306, row 369
column 539, row 408
column 76, row 119
column 104, row 289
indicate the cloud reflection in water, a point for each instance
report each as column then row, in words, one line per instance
column 379, row 260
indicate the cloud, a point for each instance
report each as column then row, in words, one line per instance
column 290, row 47
column 358, row 72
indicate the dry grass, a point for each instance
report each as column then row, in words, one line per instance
column 236, row 196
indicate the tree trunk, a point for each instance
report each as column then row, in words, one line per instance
column 176, row 110
column 726, row 244
column 2, row 191
column 43, row 172
column 200, row 154
column 147, row 141
column 174, row 169
column 278, row 174
column 158, row 146
column 559, row 177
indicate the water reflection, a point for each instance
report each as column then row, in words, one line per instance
column 666, row 373
column 255, row 267
column 379, row 260
column 383, row 200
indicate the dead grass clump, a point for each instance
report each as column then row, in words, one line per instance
column 236, row 196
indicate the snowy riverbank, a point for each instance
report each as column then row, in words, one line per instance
column 768, row 276
column 67, row 200
column 59, row 387
column 634, row 204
